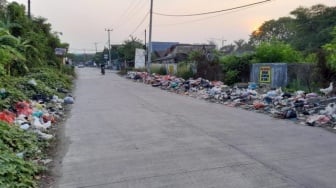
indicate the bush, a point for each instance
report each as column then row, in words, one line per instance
column 184, row 70
column 158, row 69
column 275, row 51
column 236, row 68
column 16, row 171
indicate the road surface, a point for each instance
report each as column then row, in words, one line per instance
column 124, row 134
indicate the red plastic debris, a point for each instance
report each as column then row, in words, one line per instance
column 23, row 108
column 7, row 116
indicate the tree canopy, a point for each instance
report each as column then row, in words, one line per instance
column 25, row 42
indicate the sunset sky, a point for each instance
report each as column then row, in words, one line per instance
column 83, row 22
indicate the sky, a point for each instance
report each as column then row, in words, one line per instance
column 84, row 23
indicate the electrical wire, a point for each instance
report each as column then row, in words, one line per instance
column 132, row 13
column 211, row 12
column 142, row 21
column 125, row 13
column 204, row 18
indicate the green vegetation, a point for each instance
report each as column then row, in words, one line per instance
column 158, row 69
column 28, row 67
column 330, row 49
column 184, row 70
column 18, row 149
column 308, row 37
column 236, row 68
column 274, row 52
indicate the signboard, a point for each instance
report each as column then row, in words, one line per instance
column 60, row 51
column 140, row 58
column 265, row 74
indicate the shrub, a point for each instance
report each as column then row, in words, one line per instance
column 236, row 68
column 16, row 171
column 158, row 69
column 184, row 70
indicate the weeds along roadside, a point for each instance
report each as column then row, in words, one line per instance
column 31, row 107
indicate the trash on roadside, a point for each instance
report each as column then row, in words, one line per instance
column 23, row 108
column 3, row 93
column 298, row 106
column 317, row 120
column 32, row 82
column 42, row 135
column 7, row 116
column 68, row 100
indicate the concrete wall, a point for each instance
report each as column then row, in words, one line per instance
column 278, row 74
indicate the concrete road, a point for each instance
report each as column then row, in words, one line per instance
column 124, row 134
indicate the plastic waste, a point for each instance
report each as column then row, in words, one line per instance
column 32, row 82
column 252, row 86
column 20, row 155
column 68, row 100
column 7, row 116
column 37, row 113
column 23, row 108
column 44, row 136
column 24, row 126
column 37, row 124
column 329, row 110
column 317, row 120
column 3, row 93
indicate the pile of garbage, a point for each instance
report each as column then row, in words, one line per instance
column 37, row 116
column 305, row 108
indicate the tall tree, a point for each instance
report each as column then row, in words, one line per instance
column 127, row 50
column 313, row 27
column 281, row 29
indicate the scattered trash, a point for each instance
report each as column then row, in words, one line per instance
column 318, row 120
column 43, row 136
column 25, row 126
column 3, row 93
column 20, row 155
column 7, row 116
column 68, row 100
column 46, row 161
column 304, row 108
column 23, row 108
column 32, row 82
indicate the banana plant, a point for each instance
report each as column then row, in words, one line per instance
column 9, row 53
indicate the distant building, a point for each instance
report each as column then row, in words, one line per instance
column 159, row 49
column 180, row 52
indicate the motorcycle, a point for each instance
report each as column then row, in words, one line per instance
column 102, row 70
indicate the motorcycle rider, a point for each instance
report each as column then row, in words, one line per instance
column 102, row 68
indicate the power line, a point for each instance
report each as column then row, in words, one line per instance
column 142, row 21
column 191, row 21
column 125, row 13
column 202, row 19
column 131, row 14
column 211, row 12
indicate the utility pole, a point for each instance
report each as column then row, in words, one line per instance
column 145, row 38
column 96, row 46
column 84, row 56
column 223, row 40
column 146, row 45
column 29, row 16
column 109, row 44
column 150, row 38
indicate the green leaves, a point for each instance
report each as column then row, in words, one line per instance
column 330, row 48
column 275, row 51
column 16, row 171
